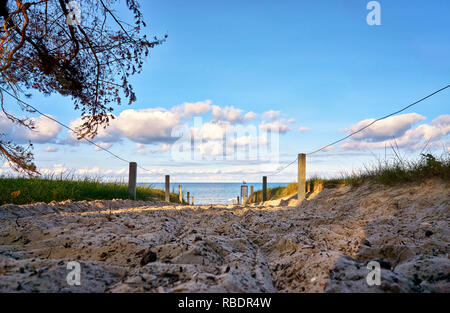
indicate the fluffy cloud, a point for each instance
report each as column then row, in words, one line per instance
column 104, row 145
column 147, row 126
column 109, row 134
column 279, row 126
column 144, row 150
column 189, row 109
column 394, row 126
column 231, row 114
column 164, row 127
column 51, row 149
column 271, row 115
column 211, row 148
column 249, row 116
column 244, row 140
column 162, row 148
column 399, row 127
column 90, row 171
column 57, row 169
column 45, row 130
column 141, row 126
column 211, row 130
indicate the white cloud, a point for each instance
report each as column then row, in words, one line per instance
column 249, row 116
column 45, row 130
column 188, row 109
column 144, row 150
column 51, row 149
column 108, row 134
column 96, row 171
column 398, row 132
column 88, row 171
column 303, row 129
column 57, row 169
column 147, row 126
column 271, row 115
column 279, row 126
column 244, row 140
column 158, row 126
column 211, row 148
column 162, row 148
column 394, row 126
column 141, row 126
column 104, row 145
column 211, row 130
column 231, row 114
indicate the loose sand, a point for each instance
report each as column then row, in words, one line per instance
column 323, row 244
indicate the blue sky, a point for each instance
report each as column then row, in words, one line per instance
column 316, row 62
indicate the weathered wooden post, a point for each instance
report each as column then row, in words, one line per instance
column 188, row 196
column 132, row 177
column 238, row 200
column 264, row 191
column 167, row 196
column 180, row 193
column 244, row 192
column 192, row 200
column 301, row 177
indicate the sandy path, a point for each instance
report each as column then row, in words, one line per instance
column 321, row 245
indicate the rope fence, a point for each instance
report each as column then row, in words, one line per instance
column 300, row 159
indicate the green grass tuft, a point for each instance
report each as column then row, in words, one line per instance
column 32, row 190
column 390, row 173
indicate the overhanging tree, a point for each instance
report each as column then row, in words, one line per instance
column 45, row 46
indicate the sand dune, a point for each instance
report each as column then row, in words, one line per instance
column 320, row 245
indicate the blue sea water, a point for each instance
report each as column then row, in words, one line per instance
column 212, row 193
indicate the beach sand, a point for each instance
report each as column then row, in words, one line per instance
column 320, row 245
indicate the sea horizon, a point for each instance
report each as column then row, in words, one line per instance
column 212, row 193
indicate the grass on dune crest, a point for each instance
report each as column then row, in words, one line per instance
column 275, row 193
column 31, row 190
column 390, row 173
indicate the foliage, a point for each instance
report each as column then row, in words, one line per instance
column 41, row 49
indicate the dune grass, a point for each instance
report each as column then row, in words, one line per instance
column 274, row 193
column 32, row 190
column 385, row 172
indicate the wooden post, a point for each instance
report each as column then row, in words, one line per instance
column 188, row 196
column 180, row 193
column 238, row 200
column 243, row 200
column 301, row 177
column 167, row 198
column 192, row 200
column 264, row 192
column 132, row 176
